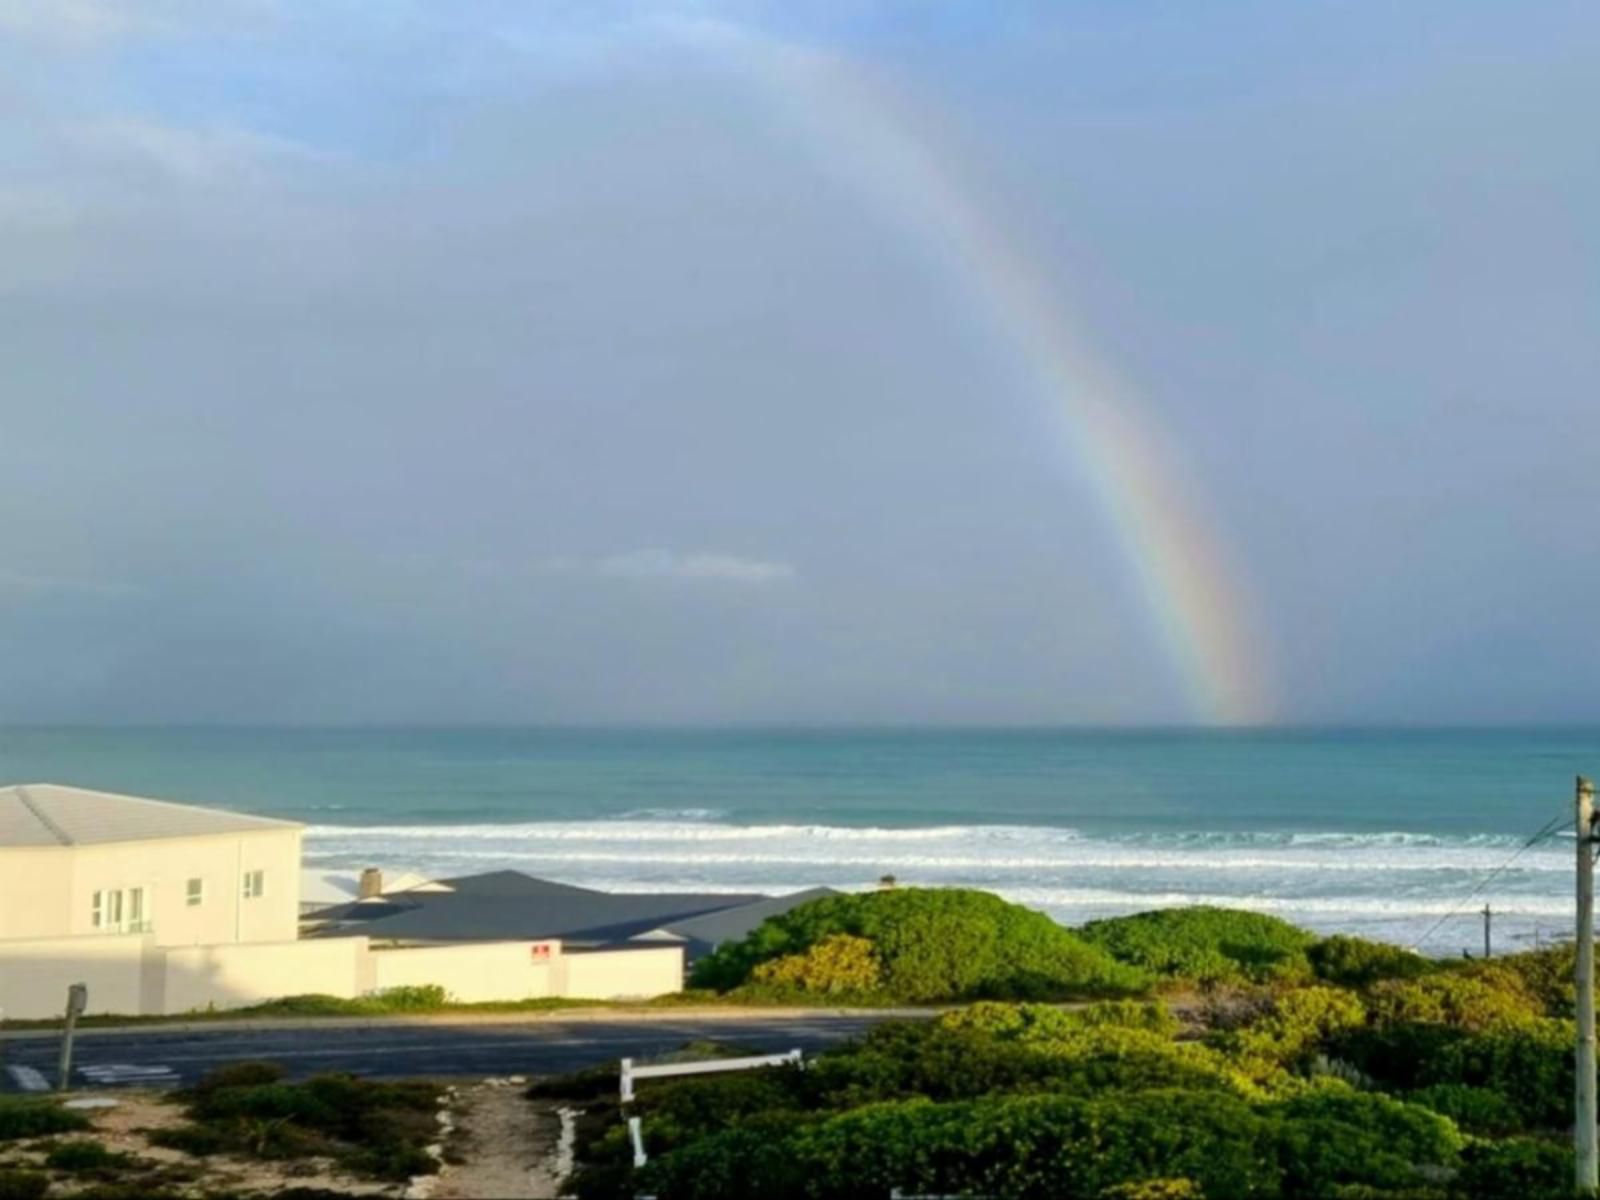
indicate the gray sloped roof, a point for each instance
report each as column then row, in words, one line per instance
column 507, row 911
column 730, row 924
column 48, row 814
column 512, row 885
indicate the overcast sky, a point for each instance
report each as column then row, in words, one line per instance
column 537, row 362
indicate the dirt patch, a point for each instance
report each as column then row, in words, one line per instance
column 125, row 1129
column 508, row 1144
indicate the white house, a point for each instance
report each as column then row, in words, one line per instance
column 163, row 908
column 75, row 862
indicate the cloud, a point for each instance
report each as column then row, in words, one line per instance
column 96, row 21
column 670, row 564
column 196, row 156
column 65, row 18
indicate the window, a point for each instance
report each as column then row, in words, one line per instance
column 195, row 893
column 255, row 884
column 120, row 910
column 137, row 923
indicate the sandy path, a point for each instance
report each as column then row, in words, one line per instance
column 508, row 1142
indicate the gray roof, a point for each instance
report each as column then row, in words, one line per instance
column 47, row 814
column 709, row 930
column 512, row 906
column 511, row 885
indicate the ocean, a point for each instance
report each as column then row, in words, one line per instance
column 1398, row 834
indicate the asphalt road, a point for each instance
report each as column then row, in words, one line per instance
column 542, row 1047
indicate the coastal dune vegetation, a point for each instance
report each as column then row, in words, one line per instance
column 1183, row 1053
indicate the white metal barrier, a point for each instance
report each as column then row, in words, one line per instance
column 709, row 1066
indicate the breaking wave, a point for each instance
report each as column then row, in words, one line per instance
column 1389, row 884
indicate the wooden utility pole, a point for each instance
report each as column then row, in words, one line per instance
column 1583, row 1133
column 1488, row 944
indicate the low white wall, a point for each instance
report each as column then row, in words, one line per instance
column 122, row 973
column 470, row 973
column 622, row 974
column 200, row 977
column 131, row 976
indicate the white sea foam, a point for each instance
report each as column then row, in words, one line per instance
column 1394, row 884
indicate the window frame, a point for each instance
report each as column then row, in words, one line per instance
column 194, row 892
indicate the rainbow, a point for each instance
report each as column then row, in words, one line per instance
column 1173, row 551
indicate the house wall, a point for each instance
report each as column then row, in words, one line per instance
column 131, row 975
column 469, row 973
column 202, row 977
column 622, row 974
column 48, row 891
column 123, row 975
column 35, row 892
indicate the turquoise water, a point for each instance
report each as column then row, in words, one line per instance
column 1382, row 832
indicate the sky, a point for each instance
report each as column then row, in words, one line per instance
column 608, row 362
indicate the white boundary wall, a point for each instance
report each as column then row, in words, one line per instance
column 130, row 975
column 470, row 973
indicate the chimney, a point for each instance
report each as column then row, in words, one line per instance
column 371, row 885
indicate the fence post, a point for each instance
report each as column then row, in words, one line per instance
column 1583, row 1128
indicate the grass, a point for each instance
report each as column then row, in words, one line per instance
column 315, row 1006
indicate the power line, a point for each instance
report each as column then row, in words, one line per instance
column 1549, row 828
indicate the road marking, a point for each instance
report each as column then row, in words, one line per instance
column 106, row 1074
column 28, row 1079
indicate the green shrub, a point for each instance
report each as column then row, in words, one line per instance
column 1357, row 962
column 934, row 944
column 839, row 964
column 23, row 1185
column 719, row 1102
column 202, row 1141
column 1477, row 1110
column 308, row 1004
column 27, row 1118
column 1515, row 1169
column 376, row 1128
column 1044, row 1022
column 1454, row 1000
column 1530, row 1066
column 1337, row 1134
column 392, row 1161
column 1205, row 945
column 955, row 1057
column 83, row 1154
column 1297, row 1024
column 1013, row 1147
column 140, row 1190
column 735, row 1164
column 422, row 997
column 1547, row 975
column 1154, row 1189
column 239, row 1074
column 411, row 998
column 1319, row 1157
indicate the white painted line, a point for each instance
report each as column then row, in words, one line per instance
column 28, row 1079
